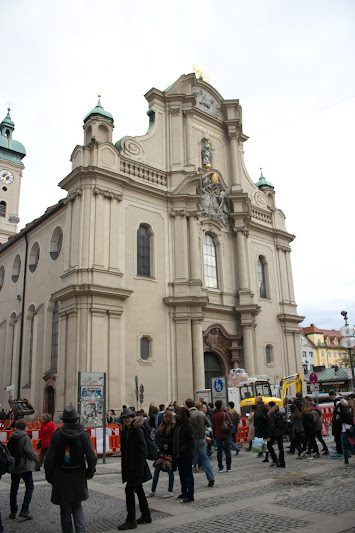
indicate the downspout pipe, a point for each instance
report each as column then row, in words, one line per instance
column 22, row 320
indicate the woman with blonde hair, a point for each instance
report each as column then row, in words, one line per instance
column 164, row 441
column 46, row 431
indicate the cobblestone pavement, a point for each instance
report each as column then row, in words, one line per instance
column 307, row 496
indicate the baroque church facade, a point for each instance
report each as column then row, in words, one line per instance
column 164, row 261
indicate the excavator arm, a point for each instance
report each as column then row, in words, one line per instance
column 285, row 383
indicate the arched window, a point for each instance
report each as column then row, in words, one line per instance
column 268, row 354
column 2, row 209
column 210, row 262
column 262, row 277
column 144, row 348
column 55, row 331
column 31, row 351
column 143, row 252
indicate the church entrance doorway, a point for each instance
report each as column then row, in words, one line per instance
column 213, row 368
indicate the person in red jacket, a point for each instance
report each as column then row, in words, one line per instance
column 222, row 438
column 47, row 430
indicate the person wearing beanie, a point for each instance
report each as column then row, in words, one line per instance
column 70, row 461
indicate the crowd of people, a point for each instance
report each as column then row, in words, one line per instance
column 182, row 439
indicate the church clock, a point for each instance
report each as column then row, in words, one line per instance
column 6, row 176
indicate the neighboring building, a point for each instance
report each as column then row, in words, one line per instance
column 165, row 261
column 327, row 347
column 337, row 379
column 307, row 353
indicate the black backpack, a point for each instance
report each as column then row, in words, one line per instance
column 14, row 449
column 70, row 453
column 7, row 462
column 150, row 442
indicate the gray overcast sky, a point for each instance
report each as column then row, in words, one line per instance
column 290, row 63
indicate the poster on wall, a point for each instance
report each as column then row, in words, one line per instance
column 91, row 400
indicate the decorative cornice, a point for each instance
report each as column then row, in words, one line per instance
column 105, row 193
column 179, row 213
column 73, row 196
column 233, row 136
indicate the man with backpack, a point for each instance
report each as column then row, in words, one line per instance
column 67, row 471
column 21, row 449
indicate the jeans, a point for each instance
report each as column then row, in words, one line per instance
column 156, row 477
column 131, row 504
column 280, row 445
column 233, row 444
column 15, row 482
column 201, row 453
column 321, row 440
column 346, row 446
column 312, row 445
column 186, row 477
column 76, row 510
column 223, row 444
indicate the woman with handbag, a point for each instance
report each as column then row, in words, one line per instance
column 164, row 463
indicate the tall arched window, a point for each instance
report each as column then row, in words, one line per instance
column 262, row 277
column 268, row 354
column 210, row 261
column 143, row 252
column 31, row 351
column 2, row 209
column 55, row 331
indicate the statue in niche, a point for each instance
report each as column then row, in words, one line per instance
column 206, row 153
column 214, row 204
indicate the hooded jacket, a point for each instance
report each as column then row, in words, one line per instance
column 135, row 469
column 28, row 454
column 273, row 428
column 69, row 486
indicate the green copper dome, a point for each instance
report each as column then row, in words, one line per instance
column 263, row 184
column 99, row 110
column 9, row 148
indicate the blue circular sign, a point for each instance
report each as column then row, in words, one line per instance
column 218, row 385
column 313, row 378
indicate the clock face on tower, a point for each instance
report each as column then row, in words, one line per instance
column 6, row 176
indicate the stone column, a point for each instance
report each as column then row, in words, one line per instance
column 115, row 393
column 188, row 136
column 70, row 392
column 233, row 137
column 248, row 350
column 241, row 259
column 283, row 272
column 176, row 137
column 197, row 355
column 180, row 244
column 184, row 367
column 289, row 274
column 195, row 271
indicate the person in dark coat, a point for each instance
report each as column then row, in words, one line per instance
column 23, row 469
column 135, row 469
column 275, row 434
column 66, row 469
column 261, row 424
column 183, row 450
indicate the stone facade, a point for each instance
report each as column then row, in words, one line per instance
column 163, row 258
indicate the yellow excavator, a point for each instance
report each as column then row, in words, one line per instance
column 248, row 391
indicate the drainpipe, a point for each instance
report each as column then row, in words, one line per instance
column 22, row 321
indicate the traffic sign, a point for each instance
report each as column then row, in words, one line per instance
column 313, row 378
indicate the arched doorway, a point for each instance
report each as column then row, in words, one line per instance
column 213, row 368
column 49, row 400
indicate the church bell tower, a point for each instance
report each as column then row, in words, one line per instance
column 11, row 154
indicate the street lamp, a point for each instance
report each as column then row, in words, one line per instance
column 348, row 341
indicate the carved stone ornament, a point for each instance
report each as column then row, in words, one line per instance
column 216, row 339
column 107, row 194
column 214, row 203
column 206, row 102
column 73, row 196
